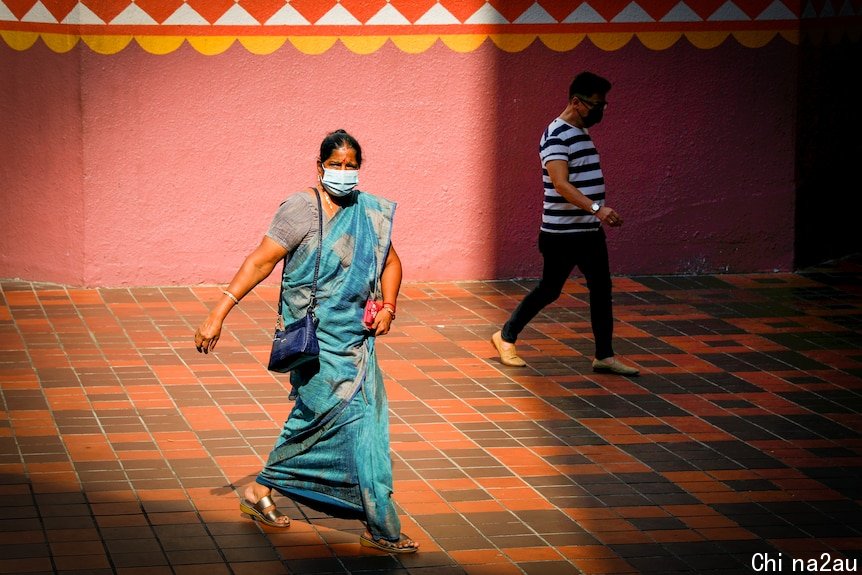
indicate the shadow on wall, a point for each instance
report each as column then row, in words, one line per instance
column 829, row 148
column 531, row 89
column 698, row 153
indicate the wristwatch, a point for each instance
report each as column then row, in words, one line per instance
column 595, row 207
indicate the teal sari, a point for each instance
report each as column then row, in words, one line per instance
column 333, row 451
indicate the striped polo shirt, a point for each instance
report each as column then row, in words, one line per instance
column 562, row 141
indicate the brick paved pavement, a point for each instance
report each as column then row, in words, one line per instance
column 121, row 445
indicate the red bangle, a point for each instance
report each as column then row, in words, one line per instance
column 391, row 305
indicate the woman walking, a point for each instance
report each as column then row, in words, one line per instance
column 333, row 451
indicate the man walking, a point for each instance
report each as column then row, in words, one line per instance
column 572, row 231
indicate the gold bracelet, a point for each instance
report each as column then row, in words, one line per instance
column 231, row 296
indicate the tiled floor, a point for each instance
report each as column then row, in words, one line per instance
column 737, row 451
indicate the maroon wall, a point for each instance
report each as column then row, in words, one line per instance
column 697, row 148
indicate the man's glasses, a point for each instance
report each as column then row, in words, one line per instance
column 590, row 104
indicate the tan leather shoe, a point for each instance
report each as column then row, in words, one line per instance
column 613, row 365
column 508, row 355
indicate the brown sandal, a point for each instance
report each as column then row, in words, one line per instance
column 365, row 540
column 256, row 511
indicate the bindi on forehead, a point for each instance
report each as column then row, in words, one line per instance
column 342, row 155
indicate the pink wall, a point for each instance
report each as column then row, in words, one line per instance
column 167, row 168
column 41, row 194
column 197, row 152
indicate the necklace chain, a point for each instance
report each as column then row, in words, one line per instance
column 328, row 201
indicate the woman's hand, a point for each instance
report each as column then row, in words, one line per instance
column 207, row 334
column 382, row 322
column 256, row 267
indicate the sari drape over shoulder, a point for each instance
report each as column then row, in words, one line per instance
column 333, row 451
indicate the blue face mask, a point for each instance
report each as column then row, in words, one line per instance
column 339, row 182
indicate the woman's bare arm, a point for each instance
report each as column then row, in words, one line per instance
column 390, row 285
column 256, row 267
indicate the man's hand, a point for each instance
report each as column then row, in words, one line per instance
column 610, row 217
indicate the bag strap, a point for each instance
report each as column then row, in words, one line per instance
column 312, row 302
column 374, row 293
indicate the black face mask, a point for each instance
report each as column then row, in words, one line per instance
column 594, row 116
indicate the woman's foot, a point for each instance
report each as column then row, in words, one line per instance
column 257, row 503
column 403, row 545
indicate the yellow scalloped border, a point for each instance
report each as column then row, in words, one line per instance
column 262, row 45
column 414, row 44
column 159, row 45
column 60, row 43
column 562, row 42
column 462, row 43
column 106, row 44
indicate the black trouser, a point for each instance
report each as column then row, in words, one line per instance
column 562, row 252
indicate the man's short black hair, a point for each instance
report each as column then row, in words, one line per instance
column 587, row 84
